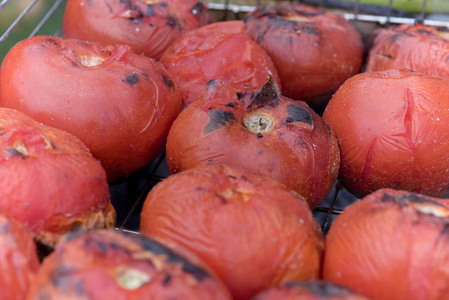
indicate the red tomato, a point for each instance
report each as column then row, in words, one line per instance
column 393, row 129
column 308, row 290
column 251, row 230
column 148, row 26
column 119, row 104
column 18, row 258
column 390, row 245
column 217, row 51
column 50, row 181
column 417, row 47
column 112, row 265
column 314, row 51
column 259, row 132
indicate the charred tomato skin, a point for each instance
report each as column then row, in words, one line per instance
column 219, row 51
column 149, row 27
column 392, row 128
column 313, row 51
column 259, row 132
column 119, row 104
column 204, row 208
column 50, row 181
column 396, row 240
column 125, row 266
column 418, row 47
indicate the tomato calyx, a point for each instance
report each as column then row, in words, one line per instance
column 258, row 123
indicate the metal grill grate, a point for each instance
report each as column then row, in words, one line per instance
column 129, row 195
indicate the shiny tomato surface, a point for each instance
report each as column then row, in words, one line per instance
column 314, row 51
column 393, row 131
column 18, row 258
column 260, row 132
column 417, row 47
column 49, row 180
column 251, row 230
column 220, row 51
column 119, row 104
column 113, row 265
column 148, row 26
column 390, row 245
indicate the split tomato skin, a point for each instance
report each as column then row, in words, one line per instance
column 313, row 51
column 50, row 181
column 18, row 258
column 392, row 128
column 149, row 27
column 416, row 47
column 259, row 132
column 390, row 245
column 108, row 264
column 251, row 230
column 219, row 51
column 119, row 104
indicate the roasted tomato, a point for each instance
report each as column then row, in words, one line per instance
column 119, row 104
column 49, row 180
column 258, row 132
column 308, row 290
column 251, row 230
column 112, row 265
column 393, row 129
column 417, row 47
column 314, row 51
column 217, row 51
column 18, row 258
column 148, row 26
column 390, row 245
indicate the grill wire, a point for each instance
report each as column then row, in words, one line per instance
column 129, row 195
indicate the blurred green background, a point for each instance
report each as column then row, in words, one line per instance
column 25, row 27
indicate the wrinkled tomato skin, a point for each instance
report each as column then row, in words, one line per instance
column 300, row 150
column 251, row 230
column 417, row 47
column 393, row 129
column 390, row 245
column 220, row 51
column 113, row 265
column 50, row 181
column 147, row 28
column 121, row 108
column 18, row 258
column 314, row 52
column 308, row 290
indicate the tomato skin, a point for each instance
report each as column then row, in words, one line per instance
column 308, row 290
column 147, row 28
column 314, row 51
column 107, row 264
column 18, row 258
column 393, row 132
column 390, row 245
column 417, row 47
column 121, row 107
column 300, row 150
column 220, row 51
column 50, row 181
column 251, row 230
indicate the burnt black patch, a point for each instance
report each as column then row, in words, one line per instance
column 162, row 4
column 222, row 198
column 298, row 113
column 267, row 96
column 218, row 119
column 231, row 104
column 260, row 135
column 309, row 29
column 197, row 9
column 168, row 82
column 14, row 152
column 403, row 199
column 58, row 277
column 423, row 31
column 171, row 21
column 95, row 244
column 385, row 55
column 155, row 247
column 132, row 79
column 442, row 29
column 150, row 10
column 51, row 41
column 166, row 280
column 320, row 289
column 111, row 11
column 242, row 96
column 145, row 75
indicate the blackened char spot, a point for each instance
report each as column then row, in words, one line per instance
column 321, row 289
column 231, row 104
column 298, row 113
column 167, row 81
column 96, row 244
column 132, row 79
column 222, row 198
column 150, row 10
column 171, row 21
column 197, row 8
column 385, row 55
column 260, row 135
column 166, row 280
column 423, row 31
column 172, row 257
column 59, row 277
column 162, row 4
column 309, row 29
column 268, row 95
column 51, row 41
column 241, row 96
column 111, row 11
column 14, row 152
column 218, row 119
column 401, row 199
